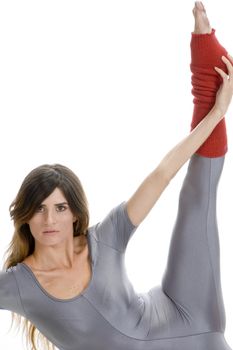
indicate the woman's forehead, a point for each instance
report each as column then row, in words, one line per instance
column 56, row 196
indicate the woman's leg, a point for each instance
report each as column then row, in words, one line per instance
column 192, row 277
column 206, row 52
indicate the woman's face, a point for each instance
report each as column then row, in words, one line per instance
column 53, row 220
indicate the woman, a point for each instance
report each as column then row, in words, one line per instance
column 69, row 280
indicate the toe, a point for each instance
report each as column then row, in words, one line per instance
column 203, row 7
column 200, row 5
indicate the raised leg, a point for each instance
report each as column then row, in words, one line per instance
column 206, row 53
column 192, row 277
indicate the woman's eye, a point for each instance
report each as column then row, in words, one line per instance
column 61, row 208
column 40, row 209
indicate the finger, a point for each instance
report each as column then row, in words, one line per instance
column 228, row 64
column 222, row 73
column 230, row 57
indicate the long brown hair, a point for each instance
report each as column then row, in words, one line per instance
column 37, row 186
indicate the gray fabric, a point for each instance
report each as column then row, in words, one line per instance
column 185, row 313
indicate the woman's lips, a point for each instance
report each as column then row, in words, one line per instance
column 50, row 232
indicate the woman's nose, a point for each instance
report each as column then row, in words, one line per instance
column 50, row 217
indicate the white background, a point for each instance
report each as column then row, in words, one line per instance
column 104, row 88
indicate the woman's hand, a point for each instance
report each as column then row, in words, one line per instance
column 225, row 92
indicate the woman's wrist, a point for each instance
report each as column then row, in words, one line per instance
column 217, row 113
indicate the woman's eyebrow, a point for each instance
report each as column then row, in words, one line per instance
column 57, row 204
column 61, row 203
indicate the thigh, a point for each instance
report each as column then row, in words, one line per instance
column 192, row 276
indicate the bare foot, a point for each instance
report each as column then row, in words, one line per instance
column 202, row 24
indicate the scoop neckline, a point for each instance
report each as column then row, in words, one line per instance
column 80, row 295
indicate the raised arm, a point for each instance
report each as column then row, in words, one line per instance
column 147, row 194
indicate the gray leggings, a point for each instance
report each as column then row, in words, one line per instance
column 192, row 277
column 191, row 283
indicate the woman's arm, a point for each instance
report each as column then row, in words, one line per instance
column 145, row 197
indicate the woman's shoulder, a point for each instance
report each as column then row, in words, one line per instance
column 27, row 261
column 10, row 276
column 9, row 292
column 115, row 229
column 7, row 275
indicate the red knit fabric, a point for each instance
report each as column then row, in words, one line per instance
column 206, row 53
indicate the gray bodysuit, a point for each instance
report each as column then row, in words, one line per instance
column 185, row 313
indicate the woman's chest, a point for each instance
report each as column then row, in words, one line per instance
column 65, row 283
